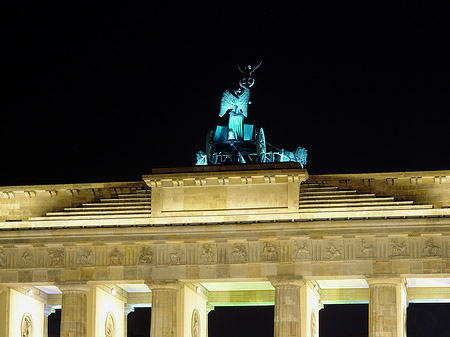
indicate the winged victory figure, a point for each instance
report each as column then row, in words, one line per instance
column 236, row 104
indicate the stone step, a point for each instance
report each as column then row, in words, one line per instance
column 317, row 188
column 365, row 208
column 134, row 195
column 95, row 212
column 325, row 193
column 351, row 200
column 356, row 204
column 105, row 204
column 111, row 200
column 335, row 196
column 101, row 208
column 88, row 217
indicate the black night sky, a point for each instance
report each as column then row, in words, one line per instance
column 106, row 92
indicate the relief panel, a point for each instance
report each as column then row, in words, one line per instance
column 301, row 249
column 238, row 252
column 146, row 255
column 208, row 253
column 333, row 250
column 270, row 250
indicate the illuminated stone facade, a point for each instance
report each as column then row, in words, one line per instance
column 185, row 240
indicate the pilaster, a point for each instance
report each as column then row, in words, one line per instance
column 47, row 312
column 387, row 307
column 126, row 311
column 74, row 309
column 4, row 311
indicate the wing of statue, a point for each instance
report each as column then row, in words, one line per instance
column 227, row 102
column 242, row 101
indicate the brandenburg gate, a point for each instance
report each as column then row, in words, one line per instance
column 185, row 240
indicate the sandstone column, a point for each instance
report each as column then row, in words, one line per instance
column 74, row 310
column 387, row 307
column 287, row 307
column 164, row 308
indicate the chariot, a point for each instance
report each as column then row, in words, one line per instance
column 239, row 142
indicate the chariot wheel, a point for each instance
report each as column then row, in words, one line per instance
column 261, row 145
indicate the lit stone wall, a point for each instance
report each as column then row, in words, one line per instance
column 194, row 301
column 4, row 314
column 107, row 305
column 310, row 302
column 19, row 304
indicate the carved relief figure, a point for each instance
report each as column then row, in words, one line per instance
column 332, row 253
column 239, row 252
column 176, row 256
column 2, row 258
column 195, row 324
column 367, row 249
column 398, row 248
column 56, row 257
column 26, row 328
column 301, row 251
column 269, row 252
column 27, row 258
column 146, row 255
column 110, row 326
column 85, row 256
column 115, row 257
column 431, row 249
column 207, row 253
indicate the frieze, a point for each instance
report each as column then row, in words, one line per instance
column 228, row 252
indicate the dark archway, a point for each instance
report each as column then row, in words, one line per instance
column 428, row 319
column 138, row 322
column 344, row 320
column 241, row 321
column 54, row 324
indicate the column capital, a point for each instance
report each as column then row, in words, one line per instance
column 163, row 285
column 278, row 281
column 77, row 287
